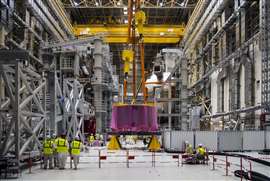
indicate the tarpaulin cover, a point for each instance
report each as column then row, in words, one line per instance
column 134, row 118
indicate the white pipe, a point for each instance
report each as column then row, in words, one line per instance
column 201, row 21
column 61, row 15
column 195, row 17
column 214, row 9
column 84, row 69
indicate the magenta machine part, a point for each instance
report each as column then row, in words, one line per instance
column 134, row 118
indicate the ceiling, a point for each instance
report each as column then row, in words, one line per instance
column 158, row 12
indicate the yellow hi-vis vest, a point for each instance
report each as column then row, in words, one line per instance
column 62, row 145
column 189, row 149
column 91, row 139
column 201, row 151
column 48, row 147
column 75, row 147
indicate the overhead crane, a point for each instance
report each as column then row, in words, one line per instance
column 155, row 34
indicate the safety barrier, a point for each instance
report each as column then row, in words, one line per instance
column 218, row 140
column 132, row 158
column 229, row 164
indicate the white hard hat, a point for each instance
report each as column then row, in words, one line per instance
column 200, row 144
column 77, row 137
column 48, row 137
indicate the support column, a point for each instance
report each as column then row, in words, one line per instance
column 98, row 90
column 170, row 106
column 17, row 113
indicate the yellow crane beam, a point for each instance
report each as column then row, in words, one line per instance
column 119, row 33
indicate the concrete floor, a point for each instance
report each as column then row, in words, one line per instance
column 86, row 172
column 114, row 168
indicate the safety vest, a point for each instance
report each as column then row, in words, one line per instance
column 48, row 147
column 91, row 139
column 201, row 151
column 75, row 147
column 62, row 145
column 189, row 150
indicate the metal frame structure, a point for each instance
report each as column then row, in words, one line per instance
column 23, row 111
column 73, row 108
column 208, row 31
column 265, row 42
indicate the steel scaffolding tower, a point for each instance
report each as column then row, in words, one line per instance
column 23, row 107
column 265, row 47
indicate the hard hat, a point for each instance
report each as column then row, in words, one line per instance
column 48, row 137
column 200, row 144
column 77, row 137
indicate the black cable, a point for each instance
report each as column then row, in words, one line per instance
column 255, row 176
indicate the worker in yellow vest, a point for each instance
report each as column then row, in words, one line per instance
column 76, row 147
column 189, row 150
column 62, row 151
column 55, row 154
column 48, row 147
column 91, row 139
column 200, row 153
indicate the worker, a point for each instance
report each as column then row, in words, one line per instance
column 91, row 139
column 189, row 150
column 76, row 147
column 101, row 140
column 200, row 153
column 48, row 147
column 97, row 136
column 55, row 154
column 62, row 150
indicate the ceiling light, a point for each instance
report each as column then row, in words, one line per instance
column 96, row 3
column 161, row 4
column 118, row 3
column 161, row 33
column 75, row 3
column 125, row 8
column 125, row 21
column 125, row 12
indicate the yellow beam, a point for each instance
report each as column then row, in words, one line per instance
column 119, row 33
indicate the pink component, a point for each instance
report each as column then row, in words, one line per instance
column 134, row 118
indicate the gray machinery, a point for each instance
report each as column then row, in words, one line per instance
column 170, row 68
